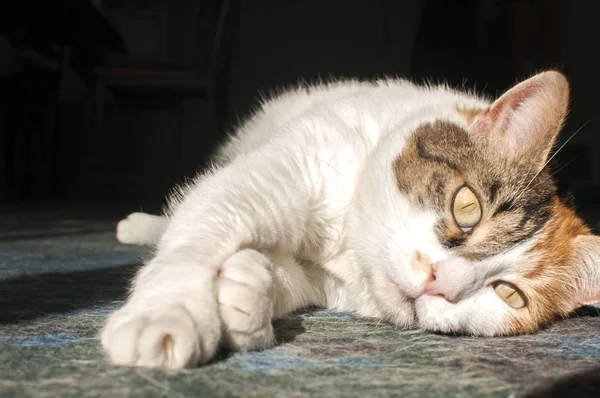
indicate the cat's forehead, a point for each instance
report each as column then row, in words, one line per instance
column 443, row 150
column 440, row 157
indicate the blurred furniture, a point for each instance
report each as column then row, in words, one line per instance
column 34, row 35
column 157, row 83
column 30, row 120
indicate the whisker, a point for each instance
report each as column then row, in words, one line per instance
column 522, row 192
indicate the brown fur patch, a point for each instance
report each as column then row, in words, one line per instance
column 440, row 158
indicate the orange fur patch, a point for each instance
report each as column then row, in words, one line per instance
column 555, row 244
column 550, row 285
column 421, row 263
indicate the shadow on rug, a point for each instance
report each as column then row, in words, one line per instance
column 585, row 384
column 28, row 297
column 56, row 290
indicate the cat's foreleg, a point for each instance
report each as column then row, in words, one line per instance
column 208, row 282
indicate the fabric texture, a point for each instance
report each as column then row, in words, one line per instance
column 60, row 278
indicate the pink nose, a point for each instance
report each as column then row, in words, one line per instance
column 434, row 286
column 450, row 281
column 433, row 289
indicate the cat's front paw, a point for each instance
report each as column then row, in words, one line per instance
column 244, row 297
column 164, row 337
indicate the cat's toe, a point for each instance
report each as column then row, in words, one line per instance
column 245, row 305
column 246, row 316
column 166, row 338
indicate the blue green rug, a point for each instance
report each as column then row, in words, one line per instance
column 60, row 278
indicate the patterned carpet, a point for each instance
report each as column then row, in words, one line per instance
column 60, row 277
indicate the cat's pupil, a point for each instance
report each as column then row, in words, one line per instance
column 469, row 207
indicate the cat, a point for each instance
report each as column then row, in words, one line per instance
column 422, row 206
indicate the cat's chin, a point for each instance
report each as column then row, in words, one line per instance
column 433, row 315
column 397, row 306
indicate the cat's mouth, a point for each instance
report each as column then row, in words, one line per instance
column 432, row 294
column 434, row 290
column 438, row 289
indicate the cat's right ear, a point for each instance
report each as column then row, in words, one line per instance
column 524, row 122
column 586, row 254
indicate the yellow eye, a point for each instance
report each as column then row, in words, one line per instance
column 466, row 209
column 510, row 294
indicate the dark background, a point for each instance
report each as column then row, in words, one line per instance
column 178, row 74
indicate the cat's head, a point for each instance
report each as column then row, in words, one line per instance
column 469, row 198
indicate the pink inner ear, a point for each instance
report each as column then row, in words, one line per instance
column 495, row 119
column 527, row 117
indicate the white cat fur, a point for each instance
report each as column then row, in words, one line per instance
column 301, row 209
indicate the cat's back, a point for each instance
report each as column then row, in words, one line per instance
column 380, row 102
column 276, row 110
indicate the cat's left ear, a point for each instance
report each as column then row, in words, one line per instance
column 524, row 122
column 586, row 253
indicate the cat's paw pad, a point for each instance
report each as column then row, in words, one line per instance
column 245, row 306
column 138, row 229
column 158, row 338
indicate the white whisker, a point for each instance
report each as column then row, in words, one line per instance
column 545, row 164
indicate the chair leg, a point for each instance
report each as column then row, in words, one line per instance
column 180, row 114
column 56, row 185
column 99, row 124
column 212, row 107
column 99, row 106
column 87, row 104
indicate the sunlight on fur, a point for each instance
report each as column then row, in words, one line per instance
column 423, row 207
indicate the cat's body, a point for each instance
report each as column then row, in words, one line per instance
column 345, row 196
